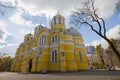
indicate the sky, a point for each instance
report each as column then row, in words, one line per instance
column 27, row 14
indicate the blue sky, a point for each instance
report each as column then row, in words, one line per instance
column 27, row 14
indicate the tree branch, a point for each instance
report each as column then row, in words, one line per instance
column 6, row 6
column 87, row 15
column 94, row 13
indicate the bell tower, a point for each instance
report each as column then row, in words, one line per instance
column 58, row 20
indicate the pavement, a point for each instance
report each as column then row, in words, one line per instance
column 82, row 75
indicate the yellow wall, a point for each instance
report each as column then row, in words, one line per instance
column 67, row 46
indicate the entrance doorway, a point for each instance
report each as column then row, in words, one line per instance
column 30, row 65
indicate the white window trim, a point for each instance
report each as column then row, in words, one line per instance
column 55, row 59
column 42, row 39
column 80, row 56
column 54, row 38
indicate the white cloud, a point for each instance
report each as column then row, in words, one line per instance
column 112, row 33
column 1, row 46
column 106, row 8
column 10, row 49
column 8, row 2
column 26, row 31
column 12, row 1
column 96, row 42
column 3, row 32
column 16, row 18
column 50, row 7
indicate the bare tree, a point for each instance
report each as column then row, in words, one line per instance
column 88, row 15
column 5, row 8
column 111, row 58
column 117, row 7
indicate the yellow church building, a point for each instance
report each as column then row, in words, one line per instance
column 51, row 50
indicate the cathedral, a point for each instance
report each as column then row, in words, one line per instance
column 54, row 49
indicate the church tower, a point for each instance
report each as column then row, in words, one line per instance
column 51, row 50
column 58, row 21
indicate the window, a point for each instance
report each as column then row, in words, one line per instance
column 45, row 37
column 54, row 55
column 54, row 20
column 63, row 21
column 59, row 20
column 54, row 38
column 80, row 56
column 42, row 39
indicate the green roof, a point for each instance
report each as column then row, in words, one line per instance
column 29, row 34
column 72, row 31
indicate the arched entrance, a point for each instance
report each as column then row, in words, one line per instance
column 30, row 65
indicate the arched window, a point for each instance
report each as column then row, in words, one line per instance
column 59, row 20
column 45, row 38
column 63, row 21
column 80, row 56
column 42, row 40
column 54, row 55
column 54, row 20
column 39, row 41
column 54, row 38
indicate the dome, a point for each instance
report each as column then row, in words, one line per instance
column 39, row 26
column 72, row 31
column 37, row 29
column 29, row 34
column 58, row 15
column 57, row 19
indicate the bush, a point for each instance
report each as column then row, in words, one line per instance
column 97, row 65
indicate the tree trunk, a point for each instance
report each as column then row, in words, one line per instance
column 102, row 62
column 113, row 48
column 111, row 45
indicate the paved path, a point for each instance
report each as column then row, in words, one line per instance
column 83, row 75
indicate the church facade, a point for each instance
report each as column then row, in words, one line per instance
column 52, row 50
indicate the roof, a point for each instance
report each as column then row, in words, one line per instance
column 40, row 27
column 58, row 15
column 29, row 34
column 72, row 31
